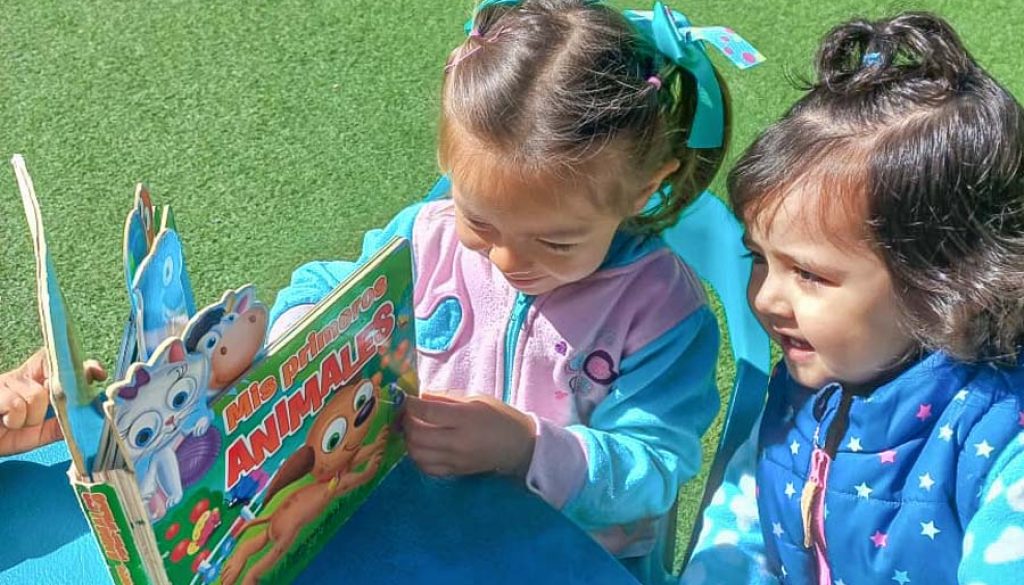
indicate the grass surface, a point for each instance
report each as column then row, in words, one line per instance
column 280, row 131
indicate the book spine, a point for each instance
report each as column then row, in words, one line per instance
column 110, row 524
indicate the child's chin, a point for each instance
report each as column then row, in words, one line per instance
column 806, row 375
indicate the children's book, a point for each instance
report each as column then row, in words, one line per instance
column 217, row 458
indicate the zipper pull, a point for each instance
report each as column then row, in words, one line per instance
column 810, row 498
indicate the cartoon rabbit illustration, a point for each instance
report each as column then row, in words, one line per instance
column 334, row 449
column 152, row 409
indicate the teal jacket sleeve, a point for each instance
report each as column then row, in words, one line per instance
column 643, row 440
column 311, row 282
column 993, row 546
column 730, row 549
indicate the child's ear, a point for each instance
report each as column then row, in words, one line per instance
column 652, row 186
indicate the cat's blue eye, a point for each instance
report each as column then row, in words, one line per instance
column 143, row 437
column 179, row 399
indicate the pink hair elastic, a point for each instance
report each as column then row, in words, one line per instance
column 473, row 34
column 462, row 55
column 655, row 81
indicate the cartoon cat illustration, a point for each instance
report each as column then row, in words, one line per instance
column 153, row 410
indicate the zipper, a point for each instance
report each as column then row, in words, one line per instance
column 812, row 500
column 516, row 321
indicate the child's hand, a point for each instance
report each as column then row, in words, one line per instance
column 24, row 399
column 448, row 436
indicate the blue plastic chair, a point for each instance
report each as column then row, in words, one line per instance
column 709, row 239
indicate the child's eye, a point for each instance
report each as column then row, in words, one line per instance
column 755, row 257
column 476, row 226
column 558, row 246
column 807, row 276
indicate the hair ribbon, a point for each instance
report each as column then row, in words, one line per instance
column 679, row 41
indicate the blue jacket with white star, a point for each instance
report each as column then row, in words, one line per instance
column 921, row 482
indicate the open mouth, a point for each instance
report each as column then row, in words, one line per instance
column 795, row 348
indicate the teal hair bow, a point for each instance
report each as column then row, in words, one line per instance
column 679, row 41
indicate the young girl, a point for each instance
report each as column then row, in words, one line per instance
column 559, row 339
column 885, row 215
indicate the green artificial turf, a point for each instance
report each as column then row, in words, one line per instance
column 280, row 131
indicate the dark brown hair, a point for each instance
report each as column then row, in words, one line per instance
column 905, row 127
column 547, row 86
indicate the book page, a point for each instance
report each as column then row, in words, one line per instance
column 70, row 393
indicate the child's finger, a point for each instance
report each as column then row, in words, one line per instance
column 431, row 462
column 435, row 397
column 13, row 409
column 421, row 434
column 443, row 413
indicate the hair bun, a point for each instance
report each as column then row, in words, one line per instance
column 861, row 55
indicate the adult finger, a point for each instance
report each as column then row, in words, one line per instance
column 37, row 401
column 35, row 367
column 49, row 432
column 26, row 439
column 13, row 409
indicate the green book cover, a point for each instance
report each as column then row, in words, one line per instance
column 249, row 459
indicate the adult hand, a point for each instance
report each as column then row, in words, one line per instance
column 24, row 398
column 451, row 436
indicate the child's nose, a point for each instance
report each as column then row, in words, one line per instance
column 769, row 297
column 506, row 259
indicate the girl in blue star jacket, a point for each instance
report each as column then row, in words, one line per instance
column 885, row 216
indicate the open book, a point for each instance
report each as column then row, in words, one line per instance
column 215, row 458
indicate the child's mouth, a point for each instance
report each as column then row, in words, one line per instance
column 796, row 349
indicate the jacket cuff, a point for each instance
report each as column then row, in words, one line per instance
column 285, row 321
column 559, row 465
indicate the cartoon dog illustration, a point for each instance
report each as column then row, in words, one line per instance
column 334, row 449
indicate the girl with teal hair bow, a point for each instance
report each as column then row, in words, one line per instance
column 559, row 340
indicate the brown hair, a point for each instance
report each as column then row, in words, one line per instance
column 548, row 86
column 905, row 130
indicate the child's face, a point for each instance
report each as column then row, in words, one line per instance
column 539, row 233
column 830, row 306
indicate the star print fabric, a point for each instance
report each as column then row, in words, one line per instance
column 935, row 450
column 993, row 545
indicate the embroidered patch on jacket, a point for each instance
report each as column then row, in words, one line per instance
column 588, row 368
column 436, row 333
